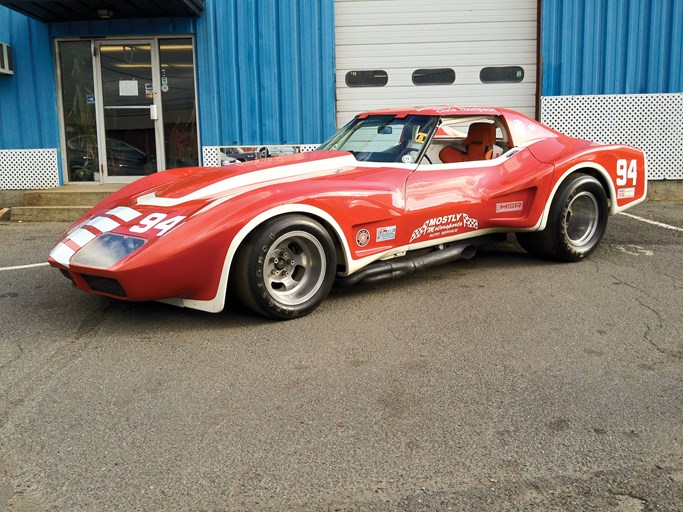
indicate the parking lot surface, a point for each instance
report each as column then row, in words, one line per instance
column 499, row 383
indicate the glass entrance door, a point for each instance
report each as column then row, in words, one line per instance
column 128, row 107
column 130, row 124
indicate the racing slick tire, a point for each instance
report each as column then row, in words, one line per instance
column 285, row 268
column 576, row 221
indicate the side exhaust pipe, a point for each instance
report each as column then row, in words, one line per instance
column 389, row 269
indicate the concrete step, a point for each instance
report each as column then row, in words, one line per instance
column 47, row 213
column 69, row 195
column 61, row 204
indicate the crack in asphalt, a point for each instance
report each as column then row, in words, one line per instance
column 18, row 355
column 649, row 337
column 69, row 351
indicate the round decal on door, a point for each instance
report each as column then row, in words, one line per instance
column 363, row 237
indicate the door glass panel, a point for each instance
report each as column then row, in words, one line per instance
column 178, row 99
column 78, row 106
column 128, row 93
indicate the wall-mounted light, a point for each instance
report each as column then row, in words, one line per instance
column 105, row 14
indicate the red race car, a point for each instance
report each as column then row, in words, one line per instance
column 394, row 191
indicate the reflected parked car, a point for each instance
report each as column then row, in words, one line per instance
column 123, row 159
column 242, row 155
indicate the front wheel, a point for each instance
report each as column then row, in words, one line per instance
column 285, row 268
column 576, row 221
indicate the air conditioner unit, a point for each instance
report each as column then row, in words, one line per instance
column 6, row 67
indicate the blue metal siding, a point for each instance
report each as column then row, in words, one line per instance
column 266, row 72
column 611, row 47
column 28, row 103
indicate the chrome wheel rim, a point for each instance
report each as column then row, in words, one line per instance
column 581, row 218
column 294, row 268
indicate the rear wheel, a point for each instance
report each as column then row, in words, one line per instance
column 285, row 268
column 576, row 221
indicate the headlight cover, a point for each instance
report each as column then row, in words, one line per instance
column 107, row 250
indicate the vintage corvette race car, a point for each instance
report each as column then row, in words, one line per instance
column 392, row 192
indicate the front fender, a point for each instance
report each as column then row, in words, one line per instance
column 217, row 302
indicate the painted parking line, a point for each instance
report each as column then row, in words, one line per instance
column 653, row 222
column 19, row 267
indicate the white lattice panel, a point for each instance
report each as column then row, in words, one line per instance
column 652, row 122
column 28, row 169
column 210, row 156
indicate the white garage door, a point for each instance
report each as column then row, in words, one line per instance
column 393, row 53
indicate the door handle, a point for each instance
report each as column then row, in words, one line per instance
column 153, row 114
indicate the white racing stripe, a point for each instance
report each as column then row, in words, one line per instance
column 290, row 171
column 103, row 224
column 81, row 237
column 19, row 267
column 653, row 222
column 62, row 254
column 124, row 213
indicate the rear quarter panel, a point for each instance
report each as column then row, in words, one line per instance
column 622, row 169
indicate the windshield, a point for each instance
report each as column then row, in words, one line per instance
column 384, row 138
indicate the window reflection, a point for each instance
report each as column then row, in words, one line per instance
column 78, row 105
column 178, row 98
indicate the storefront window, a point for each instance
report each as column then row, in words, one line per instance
column 78, row 103
column 178, row 98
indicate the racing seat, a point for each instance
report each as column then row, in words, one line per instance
column 478, row 145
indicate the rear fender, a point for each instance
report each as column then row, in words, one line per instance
column 608, row 181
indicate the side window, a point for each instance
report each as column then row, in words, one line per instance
column 501, row 74
column 468, row 139
column 372, row 78
column 438, row 76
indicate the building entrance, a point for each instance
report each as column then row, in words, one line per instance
column 128, row 108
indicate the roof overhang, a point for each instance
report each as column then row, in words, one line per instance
column 79, row 10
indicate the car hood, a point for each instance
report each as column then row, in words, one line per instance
column 150, row 210
column 220, row 184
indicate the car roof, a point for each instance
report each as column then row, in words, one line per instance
column 438, row 110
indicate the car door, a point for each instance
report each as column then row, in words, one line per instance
column 445, row 202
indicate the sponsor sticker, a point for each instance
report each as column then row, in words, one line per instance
column 363, row 237
column 512, row 206
column 626, row 193
column 445, row 225
column 386, row 233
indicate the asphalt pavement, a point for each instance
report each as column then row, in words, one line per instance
column 499, row 383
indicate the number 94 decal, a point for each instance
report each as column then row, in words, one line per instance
column 627, row 170
column 157, row 221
